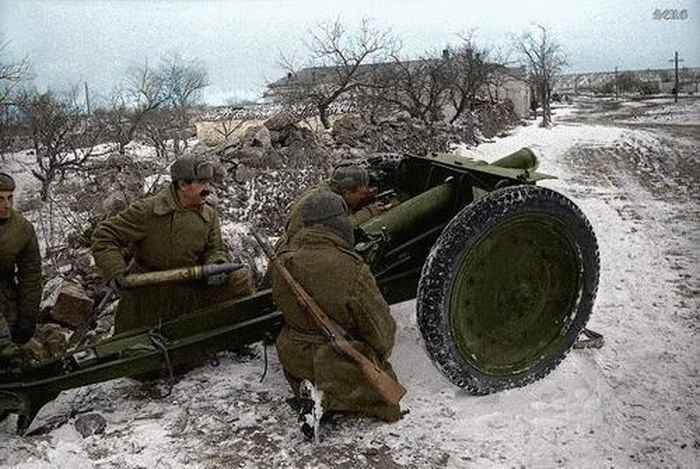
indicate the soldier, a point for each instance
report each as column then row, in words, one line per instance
column 174, row 228
column 20, row 274
column 322, row 260
column 349, row 181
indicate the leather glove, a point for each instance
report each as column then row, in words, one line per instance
column 23, row 330
column 217, row 279
column 118, row 283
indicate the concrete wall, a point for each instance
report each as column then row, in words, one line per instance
column 518, row 92
column 211, row 133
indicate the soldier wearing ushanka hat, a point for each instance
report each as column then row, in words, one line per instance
column 172, row 229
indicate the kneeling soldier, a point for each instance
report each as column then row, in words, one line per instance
column 323, row 262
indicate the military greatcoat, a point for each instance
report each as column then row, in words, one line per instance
column 20, row 269
column 345, row 289
column 160, row 234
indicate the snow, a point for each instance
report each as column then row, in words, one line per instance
column 18, row 166
column 633, row 403
column 685, row 112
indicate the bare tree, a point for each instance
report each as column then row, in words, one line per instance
column 158, row 130
column 544, row 58
column 335, row 68
column 129, row 105
column 469, row 72
column 154, row 102
column 63, row 139
column 419, row 87
column 183, row 81
column 12, row 74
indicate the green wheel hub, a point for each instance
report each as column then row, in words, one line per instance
column 515, row 294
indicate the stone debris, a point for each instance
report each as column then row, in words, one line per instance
column 49, row 341
column 90, row 424
column 73, row 306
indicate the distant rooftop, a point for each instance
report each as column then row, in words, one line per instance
column 317, row 74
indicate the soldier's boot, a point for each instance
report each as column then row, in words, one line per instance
column 310, row 410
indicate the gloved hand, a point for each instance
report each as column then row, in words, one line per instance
column 118, row 283
column 23, row 330
column 217, row 279
column 10, row 360
column 10, row 363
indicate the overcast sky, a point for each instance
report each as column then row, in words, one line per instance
column 71, row 41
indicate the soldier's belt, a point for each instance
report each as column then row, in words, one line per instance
column 314, row 338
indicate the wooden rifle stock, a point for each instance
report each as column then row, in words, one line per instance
column 390, row 390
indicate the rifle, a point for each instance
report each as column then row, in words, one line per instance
column 161, row 277
column 390, row 390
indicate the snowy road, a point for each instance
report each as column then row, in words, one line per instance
column 633, row 403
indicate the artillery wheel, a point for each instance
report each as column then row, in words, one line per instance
column 507, row 288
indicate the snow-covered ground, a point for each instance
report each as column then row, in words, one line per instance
column 685, row 112
column 633, row 403
column 646, row 112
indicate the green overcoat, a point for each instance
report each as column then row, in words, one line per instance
column 6, row 344
column 294, row 222
column 20, row 269
column 345, row 289
column 160, row 235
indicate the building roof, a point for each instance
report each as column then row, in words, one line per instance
column 310, row 75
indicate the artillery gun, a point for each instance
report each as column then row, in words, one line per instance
column 504, row 273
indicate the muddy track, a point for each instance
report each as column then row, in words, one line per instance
column 634, row 115
column 652, row 180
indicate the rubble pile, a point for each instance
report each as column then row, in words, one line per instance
column 266, row 167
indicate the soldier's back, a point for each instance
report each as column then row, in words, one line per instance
column 326, row 269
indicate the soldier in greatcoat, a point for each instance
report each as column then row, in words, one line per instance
column 172, row 229
column 349, row 181
column 322, row 260
column 20, row 274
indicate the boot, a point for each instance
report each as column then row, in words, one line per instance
column 310, row 410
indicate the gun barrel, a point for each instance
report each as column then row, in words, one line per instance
column 423, row 210
column 521, row 159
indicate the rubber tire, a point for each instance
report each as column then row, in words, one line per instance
column 443, row 262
